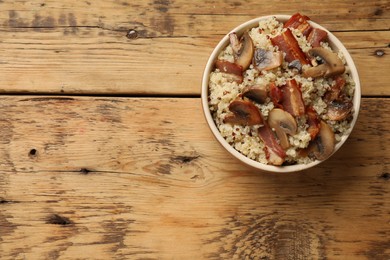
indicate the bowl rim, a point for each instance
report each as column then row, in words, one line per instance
column 334, row 42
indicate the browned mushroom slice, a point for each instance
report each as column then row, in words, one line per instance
column 267, row 60
column 257, row 93
column 283, row 123
column 339, row 109
column 244, row 112
column 243, row 49
column 332, row 65
column 295, row 64
column 323, row 145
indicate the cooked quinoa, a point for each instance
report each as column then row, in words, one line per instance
column 245, row 139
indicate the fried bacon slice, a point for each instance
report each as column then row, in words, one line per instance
column 300, row 22
column 274, row 152
column 313, row 121
column 316, row 36
column 228, row 67
column 287, row 43
column 275, row 94
column 292, row 100
column 334, row 92
column 232, row 71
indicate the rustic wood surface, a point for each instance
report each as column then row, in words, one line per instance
column 64, row 42
column 105, row 153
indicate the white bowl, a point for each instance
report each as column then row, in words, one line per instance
column 334, row 43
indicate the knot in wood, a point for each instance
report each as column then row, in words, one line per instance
column 132, row 34
column 380, row 53
column 32, row 153
column 385, row 176
column 84, row 171
column 56, row 219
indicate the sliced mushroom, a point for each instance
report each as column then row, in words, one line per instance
column 283, row 123
column 339, row 109
column 267, row 60
column 257, row 93
column 243, row 49
column 323, row 145
column 295, row 64
column 317, row 61
column 244, row 112
column 333, row 65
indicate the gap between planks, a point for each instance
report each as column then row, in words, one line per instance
column 98, row 95
column 108, row 95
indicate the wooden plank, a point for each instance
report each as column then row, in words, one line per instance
column 183, row 18
column 144, row 178
column 81, row 46
column 93, row 60
column 49, row 62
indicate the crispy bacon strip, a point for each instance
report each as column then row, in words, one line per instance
column 228, row 67
column 275, row 94
column 316, row 36
column 334, row 92
column 300, row 22
column 232, row 71
column 313, row 121
column 292, row 100
column 274, row 152
column 289, row 45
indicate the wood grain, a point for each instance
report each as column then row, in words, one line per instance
column 81, row 47
column 140, row 178
column 183, row 18
column 108, row 177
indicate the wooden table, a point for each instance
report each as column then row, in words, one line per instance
column 105, row 152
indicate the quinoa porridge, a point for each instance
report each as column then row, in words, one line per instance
column 280, row 95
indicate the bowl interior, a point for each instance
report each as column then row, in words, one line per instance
column 334, row 43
